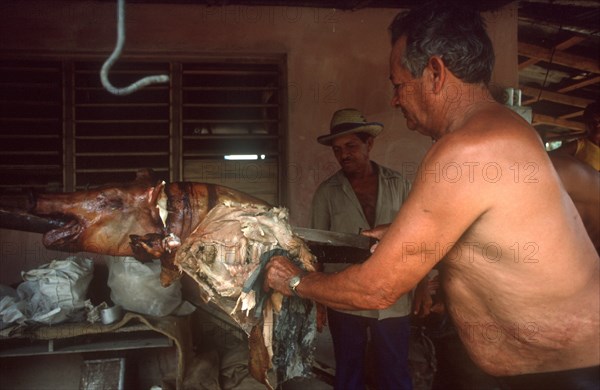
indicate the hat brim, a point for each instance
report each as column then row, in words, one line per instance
column 372, row 128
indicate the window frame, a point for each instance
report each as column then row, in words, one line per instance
column 175, row 121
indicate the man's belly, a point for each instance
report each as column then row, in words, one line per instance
column 519, row 338
column 520, row 347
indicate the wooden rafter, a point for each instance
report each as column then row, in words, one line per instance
column 559, row 57
column 580, row 84
column 567, row 43
column 527, row 62
column 572, row 41
column 550, row 136
column 553, row 97
column 572, row 115
column 539, row 119
column 584, row 67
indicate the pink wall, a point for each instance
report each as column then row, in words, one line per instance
column 336, row 59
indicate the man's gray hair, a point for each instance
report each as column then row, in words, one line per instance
column 455, row 34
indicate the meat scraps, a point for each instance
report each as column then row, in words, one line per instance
column 225, row 255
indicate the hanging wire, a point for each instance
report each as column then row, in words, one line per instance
column 115, row 55
column 549, row 65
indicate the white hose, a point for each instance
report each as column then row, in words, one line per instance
column 115, row 55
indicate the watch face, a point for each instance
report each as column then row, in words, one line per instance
column 294, row 281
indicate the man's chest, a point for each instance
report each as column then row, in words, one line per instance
column 366, row 194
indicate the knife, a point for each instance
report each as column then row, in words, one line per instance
column 335, row 247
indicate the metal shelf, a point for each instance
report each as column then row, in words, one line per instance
column 128, row 337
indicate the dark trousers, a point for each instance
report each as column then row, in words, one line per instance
column 576, row 379
column 390, row 345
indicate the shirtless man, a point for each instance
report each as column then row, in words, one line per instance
column 520, row 274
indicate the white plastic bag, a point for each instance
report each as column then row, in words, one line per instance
column 136, row 287
column 11, row 307
column 55, row 292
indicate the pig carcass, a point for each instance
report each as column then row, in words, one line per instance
column 149, row 220
column 143, row 219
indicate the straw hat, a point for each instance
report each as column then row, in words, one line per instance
column 349, row 121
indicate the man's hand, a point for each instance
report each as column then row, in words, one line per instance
column 279, row 271
column 422, row 301
column 377, row 232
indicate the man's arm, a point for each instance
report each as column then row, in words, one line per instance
column 435, row 215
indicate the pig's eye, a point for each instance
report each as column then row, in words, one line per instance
column 115, row 204
column 106, row 201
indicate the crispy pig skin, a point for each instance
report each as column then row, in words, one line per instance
column 259, row 360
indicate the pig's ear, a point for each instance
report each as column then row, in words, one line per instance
column 145, row 175
column 155, row 193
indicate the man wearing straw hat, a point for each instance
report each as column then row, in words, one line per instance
column 362, row 195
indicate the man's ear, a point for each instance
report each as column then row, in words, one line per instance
column 370, row 141
column 438, row 71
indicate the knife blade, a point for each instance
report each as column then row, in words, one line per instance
column 333, row 238
column 335, row 247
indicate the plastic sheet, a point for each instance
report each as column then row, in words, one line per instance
column 51, row 294
column 136, row 287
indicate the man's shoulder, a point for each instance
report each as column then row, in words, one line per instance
column 480, row 141
column 389, row 172
column 335, row 179
column 332, row 183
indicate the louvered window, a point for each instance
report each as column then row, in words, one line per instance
column 31, row 127
column 232, row 110
column 116, row 135
column 62, row 130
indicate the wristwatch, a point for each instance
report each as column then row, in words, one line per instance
column 294, row 282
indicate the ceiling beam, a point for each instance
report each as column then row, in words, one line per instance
column 568, row 135
column 580, row 84
column 572, row 115
column 527, row 62
column 559, row 57
column 553, row 97
column 572, row 41
column 575, row 28
column 539, row 119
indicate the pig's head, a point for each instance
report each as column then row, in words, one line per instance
column 102, row 219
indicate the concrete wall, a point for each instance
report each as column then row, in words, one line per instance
column 336, row 59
